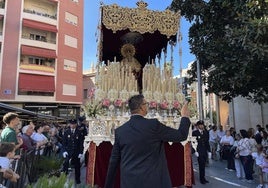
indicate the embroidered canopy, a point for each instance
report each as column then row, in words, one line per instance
column 149, row 31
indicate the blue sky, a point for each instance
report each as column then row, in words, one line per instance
column 91, row 19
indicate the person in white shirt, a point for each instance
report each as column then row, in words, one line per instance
column 244, row 149
column 39, row 138
column 213, row 141
column 220, row 133
column 226, row 142
column 240, row 173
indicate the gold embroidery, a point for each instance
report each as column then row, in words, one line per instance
column 140, row 19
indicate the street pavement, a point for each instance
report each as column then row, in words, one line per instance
column 216, row 174
column 219, row 177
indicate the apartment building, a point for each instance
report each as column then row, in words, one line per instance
column 41, row 60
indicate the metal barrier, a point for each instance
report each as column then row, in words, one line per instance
column 26, row 167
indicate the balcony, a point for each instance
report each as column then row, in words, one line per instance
column 40, row 17
column 37, row 68
column 40, row 14
column 39, row 39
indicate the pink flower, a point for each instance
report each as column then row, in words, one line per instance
column 164, row 105
column 118, row 102
column 106, row 103
column 176, row 104
column 153, row 104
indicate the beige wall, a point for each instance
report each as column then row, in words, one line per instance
column 245, row 114
column 224, row 113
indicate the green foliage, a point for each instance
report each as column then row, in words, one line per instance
column 230, row 40
column 214, row 117
column 48, row 165
column 52, row 182
column 193, row 109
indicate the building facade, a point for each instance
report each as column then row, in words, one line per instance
column 41, row 56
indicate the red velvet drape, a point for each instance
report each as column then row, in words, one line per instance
column 176, row 159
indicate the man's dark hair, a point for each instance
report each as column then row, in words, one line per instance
column 200, row 122
column 5, row 148
column 244, row 133
column 9, row 117
column 135, row 103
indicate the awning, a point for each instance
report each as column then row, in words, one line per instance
column 39, row 25
column 39, row 52
column 5, row 108
column 32, row 82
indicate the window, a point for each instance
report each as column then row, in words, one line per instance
column 70, row 41
column 36, row 61
column 70, row 65
column 38, row 37
column 85, row 93
column 70, row 18
column 69, row 90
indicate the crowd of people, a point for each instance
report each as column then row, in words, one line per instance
column 44, row 139
column 245, row 151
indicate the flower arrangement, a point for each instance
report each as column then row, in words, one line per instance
column 176, row 105
column 106, row 103
column 164, row 105
column 118, row 103
column 153, row 104
column 93, row 109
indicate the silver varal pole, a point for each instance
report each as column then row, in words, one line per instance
column 200, row 91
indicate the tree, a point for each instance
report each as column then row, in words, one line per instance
column 230, row 40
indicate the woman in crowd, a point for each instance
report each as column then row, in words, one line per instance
column 244, row 149
column 240, row 173
column 227, row 142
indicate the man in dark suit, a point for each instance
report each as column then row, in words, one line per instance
column 139, row 148
column 203, row 149
column 72, row 144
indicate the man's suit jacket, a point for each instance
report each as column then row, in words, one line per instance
column 203, row 142
column 73, row 143
column 139, row 150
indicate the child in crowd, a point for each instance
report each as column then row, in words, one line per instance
column 7, row 152
column 259, row 157
column 264, row 167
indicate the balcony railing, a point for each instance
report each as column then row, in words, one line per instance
column 33, row 67
column 40, row 14
column 26, row 36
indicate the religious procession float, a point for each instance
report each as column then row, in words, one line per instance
column 132, row 54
